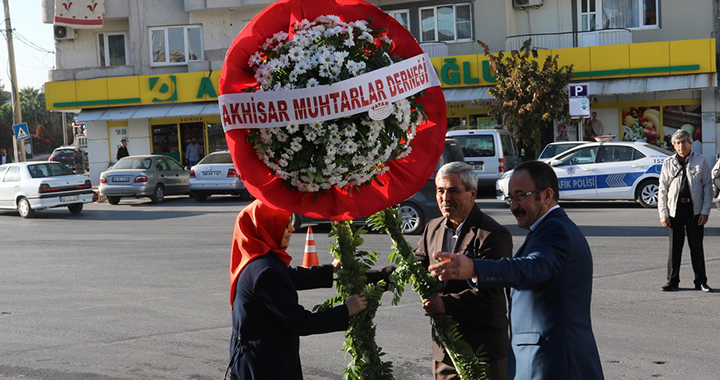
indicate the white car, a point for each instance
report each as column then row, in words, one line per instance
column 216, row 174
column 30, row 186
column 605, row 171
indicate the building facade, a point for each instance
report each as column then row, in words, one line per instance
column 150, row 72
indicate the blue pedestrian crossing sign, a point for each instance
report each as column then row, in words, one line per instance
column 21, row 131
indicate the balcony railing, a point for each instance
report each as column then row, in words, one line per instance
column 571, row 39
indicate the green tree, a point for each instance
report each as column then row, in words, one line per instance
column 529, row 97
column 35, row 115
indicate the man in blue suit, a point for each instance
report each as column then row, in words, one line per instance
column 551, row 284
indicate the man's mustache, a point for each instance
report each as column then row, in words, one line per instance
column 518, row 212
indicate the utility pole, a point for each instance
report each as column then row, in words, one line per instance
column 17, row 115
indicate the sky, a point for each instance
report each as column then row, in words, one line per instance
column 33, row 43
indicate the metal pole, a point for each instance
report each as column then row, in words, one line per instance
column 64, row 128
column 17, row 115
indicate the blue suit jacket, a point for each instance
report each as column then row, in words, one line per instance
column 551, row 280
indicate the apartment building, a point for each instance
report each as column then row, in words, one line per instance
column 149, row 70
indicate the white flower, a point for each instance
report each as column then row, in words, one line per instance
column 292, row 128
column 296, row 144
column 255, row 59
column 296, row 53
column 349, row 131
column 312, row 82
column 301, row 67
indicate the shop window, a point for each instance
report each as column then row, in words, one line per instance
column 456, row 123
column 175, row 45
column 165, row 140
column 608, row 14
column 450, row 22
column 111, row 48
column 216, row 137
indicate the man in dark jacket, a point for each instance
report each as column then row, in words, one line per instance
column 4, row 157
column 122, row 150
column 464, row 229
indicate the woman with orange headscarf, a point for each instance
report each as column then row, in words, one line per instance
column 267, row 318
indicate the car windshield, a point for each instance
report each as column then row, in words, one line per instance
column 552, row 150
column 133, row 163
column 49, row 170
column 64, row 153
column 217, row 158
column 477, row 145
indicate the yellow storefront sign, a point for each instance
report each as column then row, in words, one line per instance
column 589, row 63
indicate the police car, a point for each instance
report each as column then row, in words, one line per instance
column 605, row 171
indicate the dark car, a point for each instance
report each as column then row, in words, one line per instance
column 66, row 156
column 416, row 210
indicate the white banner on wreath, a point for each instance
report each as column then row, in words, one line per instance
column 373, row 92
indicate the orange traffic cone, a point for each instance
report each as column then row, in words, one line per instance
column 310, row 259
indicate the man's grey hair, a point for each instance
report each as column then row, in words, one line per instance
column 467, row 175
column 681, row 134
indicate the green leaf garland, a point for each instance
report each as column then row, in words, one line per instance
column 469, row 365
column 366, row 362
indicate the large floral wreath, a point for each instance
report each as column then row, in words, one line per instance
column 338, row 168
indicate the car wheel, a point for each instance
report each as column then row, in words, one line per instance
column 413, row 220
column 295, row 221
column 24, row 209
column 75, row 208
column 113, row 200
column 647, row 193
column 200, row 197
column 158, row 194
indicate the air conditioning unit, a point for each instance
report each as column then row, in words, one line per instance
column 64, row 33
column 527, row 3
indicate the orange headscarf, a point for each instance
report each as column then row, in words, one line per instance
column 259, row 229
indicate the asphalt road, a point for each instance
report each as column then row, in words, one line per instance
column 139, row 291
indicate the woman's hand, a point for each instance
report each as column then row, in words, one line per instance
column 336, row 265
column 356, row 303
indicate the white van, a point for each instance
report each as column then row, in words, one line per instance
column 491, row 152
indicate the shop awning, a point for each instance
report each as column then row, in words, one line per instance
column 155, row 111
column 458, row 95
column 621, row 86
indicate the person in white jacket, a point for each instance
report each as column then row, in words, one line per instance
column 684, row 202
column 716, row 175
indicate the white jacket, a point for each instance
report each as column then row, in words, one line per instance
column 716, row 174
column 699, row 180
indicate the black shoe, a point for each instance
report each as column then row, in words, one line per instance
column 671, row 287
column 704, row 288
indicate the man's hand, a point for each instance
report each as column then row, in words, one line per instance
column 433, row 305
column 665, row 222
column 452, row 267
column 336, row 265
column 356, row 303
column 702, row 220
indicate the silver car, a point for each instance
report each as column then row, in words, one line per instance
column 30, row 186
column 216, row 174
column 152, row 176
